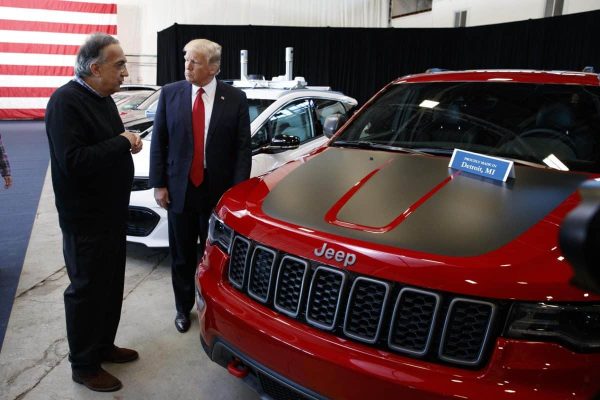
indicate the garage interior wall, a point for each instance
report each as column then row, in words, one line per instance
column 140, row 20
column 359, row 61
column 484, row 12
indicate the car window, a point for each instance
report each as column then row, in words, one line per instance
column 530, row 122
column 152, row 107
column 131, row 102
column 325, row 108
column 294, row 120
column 119, row 96
column 260, row 138
column 149, row 101
column 257, row 106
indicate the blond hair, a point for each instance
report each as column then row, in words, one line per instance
column 211, row 50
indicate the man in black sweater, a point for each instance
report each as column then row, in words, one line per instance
column 92, row 173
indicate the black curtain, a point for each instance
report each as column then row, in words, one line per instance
column 359, row 61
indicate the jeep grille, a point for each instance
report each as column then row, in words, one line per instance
column 290, row 285
column 237, row 263
column 364, row 313
column 413, row 321
column 389, row 315
column 261, row 273
column 324, row 297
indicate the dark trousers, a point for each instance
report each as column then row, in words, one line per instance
column 96, row 267
column 185, row 229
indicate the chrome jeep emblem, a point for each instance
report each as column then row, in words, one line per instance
column 347, row 259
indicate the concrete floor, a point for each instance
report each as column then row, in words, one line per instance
column 33, row 361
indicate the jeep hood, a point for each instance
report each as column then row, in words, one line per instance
column 414, row 202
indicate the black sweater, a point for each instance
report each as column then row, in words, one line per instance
column 91, row 163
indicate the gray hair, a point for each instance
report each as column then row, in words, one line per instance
column 211, row 50
column 91, row 52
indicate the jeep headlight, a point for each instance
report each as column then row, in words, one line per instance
column 576, row 326
column 219, row 233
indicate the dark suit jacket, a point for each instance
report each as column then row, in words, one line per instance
column 228, row 153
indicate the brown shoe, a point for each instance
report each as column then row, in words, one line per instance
column 99, row 381
column 120, row 355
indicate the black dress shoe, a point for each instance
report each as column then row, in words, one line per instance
column 182, row 322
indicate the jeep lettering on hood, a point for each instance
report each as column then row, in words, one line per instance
column 415, row 202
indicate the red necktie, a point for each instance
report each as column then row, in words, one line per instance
column 197, row 170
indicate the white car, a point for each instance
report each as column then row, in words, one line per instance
column 129, row 99
column 277, row 115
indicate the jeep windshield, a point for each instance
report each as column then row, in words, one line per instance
column 550, row 125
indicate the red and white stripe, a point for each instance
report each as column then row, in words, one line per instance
column 38, row 43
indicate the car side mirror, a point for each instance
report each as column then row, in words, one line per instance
column 332, row 123
column 579, row 238
column 282, row 142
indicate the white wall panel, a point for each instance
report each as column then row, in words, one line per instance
column 486, row 12
column 576, row 6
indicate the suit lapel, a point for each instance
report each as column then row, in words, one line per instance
column 217, row 110
column 185, row 108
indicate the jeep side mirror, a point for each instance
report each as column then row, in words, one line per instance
column 579, row 238
column 332, row 123
column 282, row 142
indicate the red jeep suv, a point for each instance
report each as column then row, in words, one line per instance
column 374, row 269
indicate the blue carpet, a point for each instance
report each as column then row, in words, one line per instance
column 27, row 148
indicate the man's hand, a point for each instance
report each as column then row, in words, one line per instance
column 161, row 195
column 134, row 140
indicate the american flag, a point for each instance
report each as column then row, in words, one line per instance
column 38, row 43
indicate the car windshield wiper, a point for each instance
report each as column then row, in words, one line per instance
column 362, row 144
column 434, row 150
column 527, row 163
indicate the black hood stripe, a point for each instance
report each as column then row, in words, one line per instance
column 415, row 202
column 332, row 215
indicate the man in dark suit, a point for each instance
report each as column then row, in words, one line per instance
column 200, row 148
